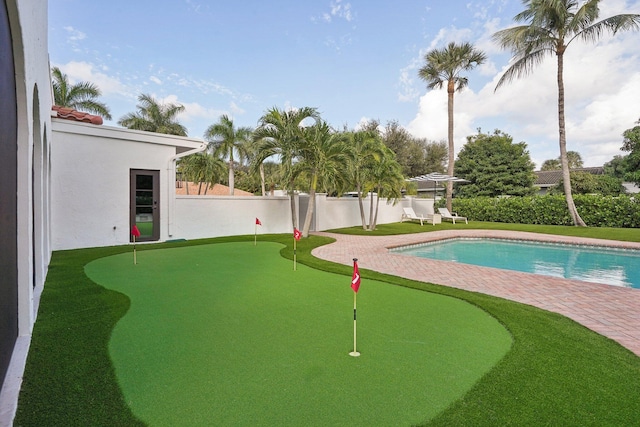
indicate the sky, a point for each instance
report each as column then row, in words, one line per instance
column 353, row 60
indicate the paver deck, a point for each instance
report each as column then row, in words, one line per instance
column 612, row 311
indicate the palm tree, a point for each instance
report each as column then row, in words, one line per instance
column 368, row 149
column 153, row 116
column 280, row 133
column 202, row 168
column 322, row 159
column 387, row 180
column 550, row 27
column 80, row 96
column 443, row 66
column 225, row 140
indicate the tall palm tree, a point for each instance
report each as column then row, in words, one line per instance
column 280, row 133
column 81, row 96
column 443, row 66
column 550, row 26
column 322, row 159
column 153, row 116
column 225, row 140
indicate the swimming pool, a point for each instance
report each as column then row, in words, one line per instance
column 619, row 267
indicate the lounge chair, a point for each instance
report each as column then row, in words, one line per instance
column 445, row 214
column 409, row 214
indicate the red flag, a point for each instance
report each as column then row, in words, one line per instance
column 296, row 234
column 355, row 279
column 134, row 231
column 258, row 222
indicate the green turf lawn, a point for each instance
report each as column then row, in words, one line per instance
column 556, row 372
column 230, row 334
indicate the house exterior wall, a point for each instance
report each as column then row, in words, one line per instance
column 90, row 183
column 29, row 234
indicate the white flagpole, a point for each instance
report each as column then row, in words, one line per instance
column 255, row 234
column 355, row 280
column 355, row 352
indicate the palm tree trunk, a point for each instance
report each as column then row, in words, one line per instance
column 364, row 221
column 231, row 177
column 371, row 210
column 566, row 176
column 311, row 206
column 264, row 192
column 450, row 91
column 292, row 201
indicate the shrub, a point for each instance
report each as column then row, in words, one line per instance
column 595, row 210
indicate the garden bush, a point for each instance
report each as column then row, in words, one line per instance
column 595, row 210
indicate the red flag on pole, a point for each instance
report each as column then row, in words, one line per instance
column 355, row 279
column 258, row 222
column 134, row 231
column 296, row 234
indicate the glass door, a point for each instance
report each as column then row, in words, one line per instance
column 144, row 202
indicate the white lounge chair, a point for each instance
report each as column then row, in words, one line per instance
column 409, row 214
column 445, row 214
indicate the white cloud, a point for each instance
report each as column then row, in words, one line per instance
column 602, row 83
column 155, row 80
column 87, row 72
column 74, row 35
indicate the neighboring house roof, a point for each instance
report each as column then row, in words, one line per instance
column 545, row 179
column 71, row 114
column 217, row 190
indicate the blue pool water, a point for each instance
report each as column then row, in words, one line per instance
column 620, row 267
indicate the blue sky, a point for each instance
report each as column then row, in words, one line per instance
column 354, row 60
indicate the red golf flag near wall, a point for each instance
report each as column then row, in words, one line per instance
column 355, row 279
column 134, row 231
column 297, row 234
column 258, row 222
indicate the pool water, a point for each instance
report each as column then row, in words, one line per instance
column 620, row 267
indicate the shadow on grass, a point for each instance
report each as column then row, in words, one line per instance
column 557, row 372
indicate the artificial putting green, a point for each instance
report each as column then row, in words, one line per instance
column 230, row 334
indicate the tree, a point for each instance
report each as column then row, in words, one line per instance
column 631, row 144
column 551, row 165
column 202, row 168
column 387, row 180
column 587, row 183
column 436, row 154
column 573, row 158
column 550, row 27
column 495, row 166
column 225, row 140
column 367, row 149
column 81, row 96
column 322, row 160
column 153, row 116
column 443, row 66
column 280, row 133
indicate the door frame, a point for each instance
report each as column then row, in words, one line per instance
column 155, row 175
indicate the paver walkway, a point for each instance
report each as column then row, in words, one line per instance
column 612, row 311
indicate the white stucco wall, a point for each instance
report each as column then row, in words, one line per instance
column 90, row 183
column 28, row 24
column 339, row 212
column 213, row 216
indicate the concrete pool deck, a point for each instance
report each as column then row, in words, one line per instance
column 611, row 311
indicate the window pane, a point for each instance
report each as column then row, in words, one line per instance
column 144, row 182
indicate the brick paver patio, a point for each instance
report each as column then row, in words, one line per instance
column 612, row 311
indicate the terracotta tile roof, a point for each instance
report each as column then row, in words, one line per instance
column 217, row 190
column 71, row 114
column 551, row 178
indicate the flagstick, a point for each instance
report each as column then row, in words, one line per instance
column 255, row 234
column 135, row 261
column 354, row 353
column 294, row 253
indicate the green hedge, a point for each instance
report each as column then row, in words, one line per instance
column 595, row 210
